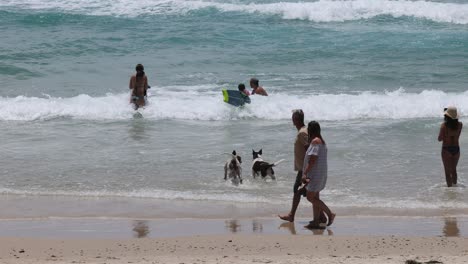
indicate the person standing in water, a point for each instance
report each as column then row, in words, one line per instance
column 257, row 89
column 242, row 89
column 138, row 85
column 449, row 134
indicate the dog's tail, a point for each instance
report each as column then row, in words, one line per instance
column 234, row 156
column 230, row 154
column 278, row 162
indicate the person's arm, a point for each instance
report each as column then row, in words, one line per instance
column 261, row 91
column 146, row 84
column 441, row 133
column 303, row 140
column 131, row 84
column 310, row 164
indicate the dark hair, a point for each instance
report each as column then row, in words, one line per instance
column 298, row 114
column 313, row 129
column 241, row 87
column 140, row 70
column 450, row 122
column 254, row 81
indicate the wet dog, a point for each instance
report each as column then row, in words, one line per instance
column 233, row 169
column 261, row 167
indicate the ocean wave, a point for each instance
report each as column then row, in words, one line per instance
column 208, row 105
column 318, row 11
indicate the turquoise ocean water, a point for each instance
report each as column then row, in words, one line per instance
column 375, row 73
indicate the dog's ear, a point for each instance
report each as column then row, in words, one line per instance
column 239, row 159
column 253, row 152
column 234, row 153
column 260, row 152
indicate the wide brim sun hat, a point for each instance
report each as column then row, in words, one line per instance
column 451, row 112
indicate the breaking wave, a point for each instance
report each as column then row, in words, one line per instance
column 209, row 105
column 317, row 11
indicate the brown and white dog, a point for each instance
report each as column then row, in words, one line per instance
column 233, row 169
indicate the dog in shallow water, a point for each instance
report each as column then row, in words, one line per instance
column 233, row 169
column 261, row 167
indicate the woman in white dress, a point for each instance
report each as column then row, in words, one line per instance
column 315, row 174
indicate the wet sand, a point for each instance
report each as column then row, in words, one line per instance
column 262, row 240
column 123, row 228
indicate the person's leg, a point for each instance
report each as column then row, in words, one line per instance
column 322, row 217
column 453, row 165
column 318, row 206
column 311, row 197
column 141, row 102
column 295, row 203
column 298, row 192
column 446, row 162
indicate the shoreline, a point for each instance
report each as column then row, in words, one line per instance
column 57, row 206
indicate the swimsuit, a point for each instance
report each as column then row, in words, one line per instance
column 134, row 97
column 454, row 150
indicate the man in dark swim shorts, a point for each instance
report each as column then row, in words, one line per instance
column 300, row 146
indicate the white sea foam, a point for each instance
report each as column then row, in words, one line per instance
column 220, row 196
column 318, row 11
column 239, row 197
column 208, row 105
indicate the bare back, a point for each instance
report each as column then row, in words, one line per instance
column 449, row 137
column 138, row 85
column 260, row 91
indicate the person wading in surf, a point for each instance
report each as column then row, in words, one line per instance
column 449, row 134
column 138, row 85
column 257, row 89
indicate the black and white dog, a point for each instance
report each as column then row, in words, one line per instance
column 262, row 167
column 233, row 169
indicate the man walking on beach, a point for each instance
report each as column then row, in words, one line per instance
column 300, row 146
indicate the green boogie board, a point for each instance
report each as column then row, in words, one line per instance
column 235, row 97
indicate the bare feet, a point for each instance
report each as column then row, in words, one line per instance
column 323, row 218
column 331, row 219
column 288, row 218
column 314, row 225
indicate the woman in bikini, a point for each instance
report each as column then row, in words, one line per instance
column 449, row 134
column 138, row 85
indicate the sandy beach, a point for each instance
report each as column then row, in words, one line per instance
column 237, row 249
column 238, row 241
